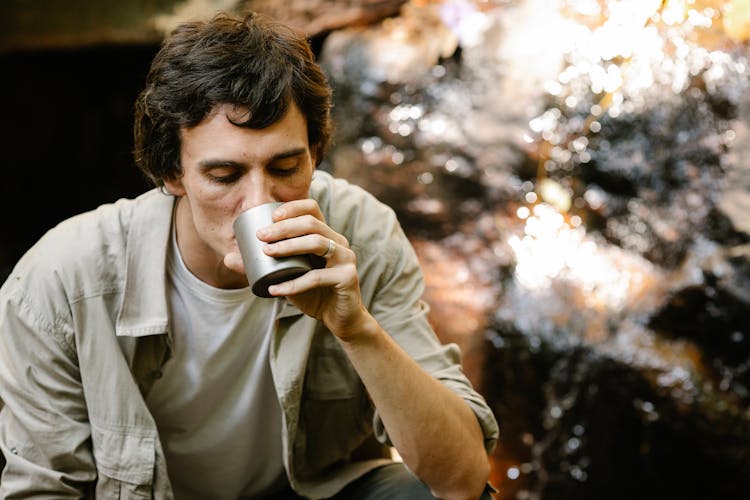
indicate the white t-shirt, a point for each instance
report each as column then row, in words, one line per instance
column 215, row 406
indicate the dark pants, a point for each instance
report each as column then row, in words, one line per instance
column 390, row 482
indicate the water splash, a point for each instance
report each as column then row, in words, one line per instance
column 580, row 183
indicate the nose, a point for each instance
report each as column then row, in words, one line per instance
column 257, row 189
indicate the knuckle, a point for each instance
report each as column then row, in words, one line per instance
column 311, row 219
column 311, row 203
column 317, row 279
column 349, row 257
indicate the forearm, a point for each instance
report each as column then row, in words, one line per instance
column 434, row 430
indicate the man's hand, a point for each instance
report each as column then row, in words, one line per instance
column 330, row 294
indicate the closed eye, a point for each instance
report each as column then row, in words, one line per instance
column 286, row 165
column 222, row 173
column 224, row 179
column 283, row 171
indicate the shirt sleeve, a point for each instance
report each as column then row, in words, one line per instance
column 398, row 307
column 392, row 287
column 44, row 431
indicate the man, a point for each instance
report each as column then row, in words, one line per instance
column 136, row 363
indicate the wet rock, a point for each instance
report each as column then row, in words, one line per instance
column 578, row 423
column 462, row 294
column 54, row 24
column 735, row 205
column 316, row 17
column 580, row 209
column 431, row 126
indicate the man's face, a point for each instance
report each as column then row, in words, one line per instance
column 229, row 169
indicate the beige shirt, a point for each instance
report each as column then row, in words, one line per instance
column 84, row 333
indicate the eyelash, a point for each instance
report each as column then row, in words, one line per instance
column 224, row 179
column 283, row 172
column 233, row 177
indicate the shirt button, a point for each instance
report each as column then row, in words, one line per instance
column 14, row 451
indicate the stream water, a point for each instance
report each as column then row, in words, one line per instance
column 573, row 176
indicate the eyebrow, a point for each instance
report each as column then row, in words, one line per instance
column 210, row 163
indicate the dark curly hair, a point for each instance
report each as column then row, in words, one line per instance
column 252, row 62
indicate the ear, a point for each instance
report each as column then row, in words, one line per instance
column 174, row 186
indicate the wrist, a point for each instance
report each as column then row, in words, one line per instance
column 361, row 330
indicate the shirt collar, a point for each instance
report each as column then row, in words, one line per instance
column 144, row 304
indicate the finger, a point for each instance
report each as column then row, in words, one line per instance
column 297, row 208
column 299, row 227
column 339, row 276
column 291, row 228
column 314, row 244
column 301, row 245
column 330, row 250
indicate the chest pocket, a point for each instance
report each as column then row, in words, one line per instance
column 124, row 462
column 330, row 375
column 335, row 415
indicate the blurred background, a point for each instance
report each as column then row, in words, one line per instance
column 574, row 174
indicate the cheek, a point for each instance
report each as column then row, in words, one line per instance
column 216, row 209
column 288, row 193
column 297, row 188
column 214, row 198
